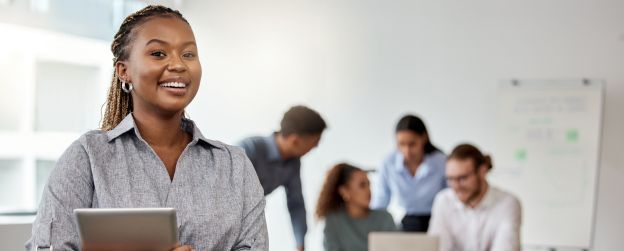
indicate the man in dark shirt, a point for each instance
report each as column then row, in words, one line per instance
column 276, row 159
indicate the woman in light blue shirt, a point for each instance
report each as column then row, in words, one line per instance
column 413, row 174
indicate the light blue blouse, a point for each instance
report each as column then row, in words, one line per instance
column 414, row 193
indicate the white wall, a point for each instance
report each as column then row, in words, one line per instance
column 362, row 64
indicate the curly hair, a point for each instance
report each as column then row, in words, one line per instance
column 118, row 103
column 330, row 200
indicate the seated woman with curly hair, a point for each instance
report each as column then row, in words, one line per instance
column 343, row 204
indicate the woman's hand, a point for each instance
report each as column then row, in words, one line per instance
column 183, row 248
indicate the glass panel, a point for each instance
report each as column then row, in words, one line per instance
column 66, row 97
column 11, row 180
column 11, row 95
column 44, row 168
column 98, row 19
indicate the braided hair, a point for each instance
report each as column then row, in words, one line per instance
column 118, row 103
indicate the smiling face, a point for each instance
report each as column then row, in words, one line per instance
column 465, row 179
column 162, row 66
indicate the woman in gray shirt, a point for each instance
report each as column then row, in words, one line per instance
column 147, row 154
column 343, row 203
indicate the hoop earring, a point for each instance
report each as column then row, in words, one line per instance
column 128, row 88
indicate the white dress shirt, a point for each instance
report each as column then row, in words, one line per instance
column 494, row 224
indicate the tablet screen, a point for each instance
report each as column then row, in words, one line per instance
column 127, row 228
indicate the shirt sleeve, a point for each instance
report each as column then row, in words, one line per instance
column 507, row 236
column 248, row 148
column 69, row 186
column 330, row 237
column 443, row 173
column 296, row 207
column 254, row 234
column 438, row 226
column 388, row 222
column 381, row 190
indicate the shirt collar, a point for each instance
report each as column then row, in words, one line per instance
column 422, row 170
column 125, row 125
column 272, row 150
column 488, row 199
column 188, row 125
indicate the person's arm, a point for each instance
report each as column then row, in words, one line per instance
column 330, row 237
column 388, row 223
column 254, row 234
column 296, row 208
column 438, row 226
column 69, row 186
column 442, row 166
column 507, row 236
column 381, row 190
column 248, row 147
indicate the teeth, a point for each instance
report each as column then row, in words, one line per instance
column 174, row 85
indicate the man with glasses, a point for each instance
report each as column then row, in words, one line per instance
column 471, row 214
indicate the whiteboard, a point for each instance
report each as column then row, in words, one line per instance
column 548, row 137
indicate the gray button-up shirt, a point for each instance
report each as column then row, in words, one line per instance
column 215, row 190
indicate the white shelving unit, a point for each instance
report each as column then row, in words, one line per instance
column 53, row 87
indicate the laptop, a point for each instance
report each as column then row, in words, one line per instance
column 401, row 241
column 127, row 228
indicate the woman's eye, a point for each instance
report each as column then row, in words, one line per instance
column 158, row 54
column 189, row 55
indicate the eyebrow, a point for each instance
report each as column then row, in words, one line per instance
column 156, row 40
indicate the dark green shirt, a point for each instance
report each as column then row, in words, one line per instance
column 344, row 233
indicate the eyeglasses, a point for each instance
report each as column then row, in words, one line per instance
column 459, row 179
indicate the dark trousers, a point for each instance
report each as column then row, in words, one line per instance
column 415, row 223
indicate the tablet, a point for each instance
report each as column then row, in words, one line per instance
column 126, row 229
